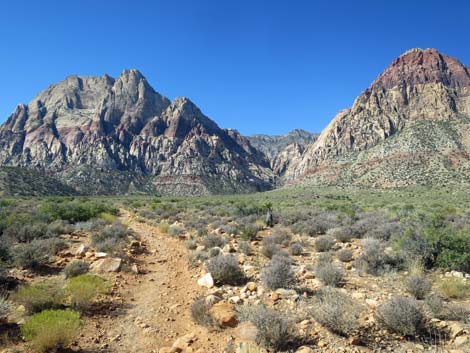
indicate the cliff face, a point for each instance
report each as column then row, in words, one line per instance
column 104, row 135
column 421, row 91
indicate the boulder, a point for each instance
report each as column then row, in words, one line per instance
column 106, row 265
column 224, row 314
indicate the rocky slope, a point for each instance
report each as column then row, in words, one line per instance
column 409, row 127
column 104, row 135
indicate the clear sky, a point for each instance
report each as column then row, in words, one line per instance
column 257, row 66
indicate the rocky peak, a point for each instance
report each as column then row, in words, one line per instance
column 418, row 66
column 420, row 86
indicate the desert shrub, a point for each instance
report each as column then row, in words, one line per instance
column 213, row 252
column 196, row 257
column 164, row 227
column 249, row 231
column 270, row 249
column 110, row 237
column 342, row 234
column 5, row 308
column 24, row 233
column 175, row 230
column 418, row 286
column 84, row 289
column 40, row 296
column 296, row 249
column 274, row 329
column 455, row 288
column 324, row 258
column 57, row 228
column 280, row 236
column 278, row 273
column 76, row 268
column 200, row 312
column 31, row 255
column 213, row 240
column 345, row 255
column 329, row 274
column 245, row 248
column 336, row 311
column 191, row 244
column 225, row 270
column 367, row 222
column 402, row 315
column 373, row 259
column 447, row 311
column 77, row 211
column 384, row 231
column 324, row 243
column 230, row 229
column 51, row 329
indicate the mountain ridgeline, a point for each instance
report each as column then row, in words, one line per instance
column 104, row 135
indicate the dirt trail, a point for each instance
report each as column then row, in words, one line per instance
column 159, row 299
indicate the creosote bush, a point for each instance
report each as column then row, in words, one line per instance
column 84, row 289
column 402, row 315
column 278, row 272
column 245, row 248
column 225, row 270
column 249, row 231
column 40, row 296
column 324, row 243
column 275, row 330
column 418, row 286
column 51, row 329
column 76, row 268
column 336, row 311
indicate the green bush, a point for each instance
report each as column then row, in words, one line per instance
column 455, row 288
column 249, row 231
column 77, row 211
column 40, row 296
column 51, row 329
column 84, row 289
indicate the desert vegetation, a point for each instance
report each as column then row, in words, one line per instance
column 350, row 270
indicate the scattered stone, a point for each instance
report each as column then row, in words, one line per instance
column 106, row 265
column 304, row 349
column 206, row 281
column 81, row 250
column 224, row 314
column 100, row 255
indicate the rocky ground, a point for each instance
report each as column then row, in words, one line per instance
column 149, row 306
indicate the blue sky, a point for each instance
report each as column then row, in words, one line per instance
column 257, row 66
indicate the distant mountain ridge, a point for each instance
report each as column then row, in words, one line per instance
column 411, row 126
column 104, row 135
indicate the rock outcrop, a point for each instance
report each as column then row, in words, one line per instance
column 103, row 135
column 409, row 127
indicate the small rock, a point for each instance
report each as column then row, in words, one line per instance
column 224, row 314
column 100, row 255
column 206, row 281
column 81, row 250
column 462, row 340
column 304, row 349
column 246, row 331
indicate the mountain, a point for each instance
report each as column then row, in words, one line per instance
column 282, row 150
column 411, row 126
column 104, row 135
